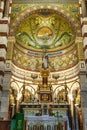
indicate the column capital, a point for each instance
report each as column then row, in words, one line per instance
column 79, row 40
column 8, row 65
column 11, row 39
column 82, row 66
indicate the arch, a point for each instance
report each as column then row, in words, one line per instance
column 74, row 84
column 15, row 88
column 62, row 87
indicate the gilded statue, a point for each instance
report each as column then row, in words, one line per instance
column 11, row 98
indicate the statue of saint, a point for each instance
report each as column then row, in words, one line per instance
column 11, row 98
column 45, row 60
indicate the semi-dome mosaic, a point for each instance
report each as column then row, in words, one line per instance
column 45, row 29
column 38, row 29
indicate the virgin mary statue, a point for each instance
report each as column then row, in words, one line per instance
column 45, row 60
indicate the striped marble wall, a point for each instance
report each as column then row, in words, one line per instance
column 5, row 11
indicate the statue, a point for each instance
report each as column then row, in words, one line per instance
column 11, row 98
column 45, row 60
column 27, row 96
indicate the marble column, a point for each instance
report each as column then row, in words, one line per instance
column 83, row 79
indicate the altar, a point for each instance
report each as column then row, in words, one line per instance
column 55, row 117
column 47, row 122
column 46, row 114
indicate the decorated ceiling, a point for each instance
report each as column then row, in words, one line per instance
column 38, row 27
